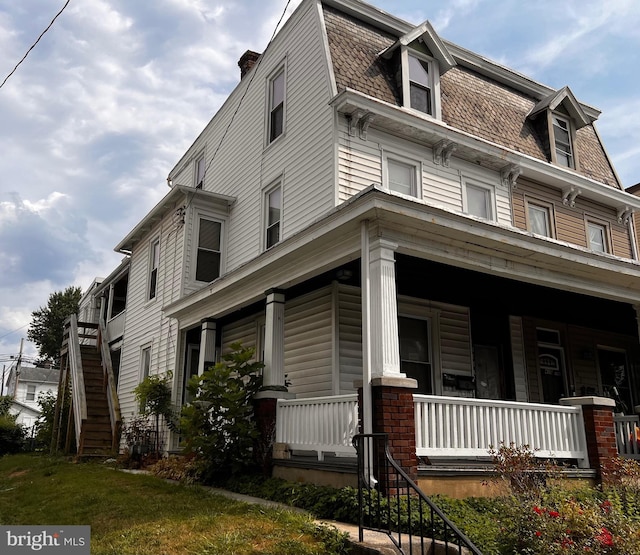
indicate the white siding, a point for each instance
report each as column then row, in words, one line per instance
column 350, row 337
column 308, row 338
column 243, row 331
column 145, row 323
column 302, row 156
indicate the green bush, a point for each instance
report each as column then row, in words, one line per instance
column 12, row 435
column 219, row 426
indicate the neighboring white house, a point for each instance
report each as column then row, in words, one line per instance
column 373, row 202
column 25, row 384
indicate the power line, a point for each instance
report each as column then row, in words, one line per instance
column 34, row 44
column 12, row 332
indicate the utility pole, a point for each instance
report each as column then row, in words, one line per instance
column 15, row 390
column 2, row 388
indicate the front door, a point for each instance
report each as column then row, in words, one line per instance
column 614, row 377
column 552, row 365
column 190, row 370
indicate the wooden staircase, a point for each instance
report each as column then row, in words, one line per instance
column 94, row 415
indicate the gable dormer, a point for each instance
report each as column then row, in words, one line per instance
column 557, row 118
column 420, row 57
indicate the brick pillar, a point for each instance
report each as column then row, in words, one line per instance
column 264, row 410
column 393, row 414
column 599, row 429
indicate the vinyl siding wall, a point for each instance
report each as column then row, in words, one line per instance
column 302, row 156
column 361, row 164
column 570, row 222
column 145, row 323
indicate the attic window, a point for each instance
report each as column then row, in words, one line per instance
column 420, row 85
column 563, row 142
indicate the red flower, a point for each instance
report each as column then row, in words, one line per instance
column 605, row 537
column 538, row 510
column 606, row 506
column 538, row 533
column 554, row 514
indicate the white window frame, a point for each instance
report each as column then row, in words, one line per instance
column 145, row 360
column 278, row 184
column 606, row 234
column 571, row 154
column 199, row 170
column 154, row 269
column 490, row 192
column 434, row 81
column 196, row 242
column 31, row 390
column 416, row 185
column 548, row 208
column 271, row 108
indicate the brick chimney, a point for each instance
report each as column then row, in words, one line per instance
column 247, row 61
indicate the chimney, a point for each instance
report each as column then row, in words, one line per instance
column 247, row 61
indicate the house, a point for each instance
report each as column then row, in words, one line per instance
column 375, row 207
column 26, row 384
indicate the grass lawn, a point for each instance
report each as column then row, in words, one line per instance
column 138, row 514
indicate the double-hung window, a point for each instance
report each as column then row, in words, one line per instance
column 154, row 262
column 562, row 141
column 276, row 105
column 540, row 220
column 478, row 201
column 597, row 235
column 401, row 175
column 199, row 171
column 420, row 85
column 145, row 362
column 31, row 393
column 273, row 215
column 209, row 250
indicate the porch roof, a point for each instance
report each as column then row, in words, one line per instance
column 419, row 230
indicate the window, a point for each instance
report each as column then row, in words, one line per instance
column 402, row 176
column 273, row 215
column 415, row 356
column 597, row 237
column 31, row 393
column 276, row 106
column 562, row 139
column 540, row 221
column 208, row 255
column 420, row 85
column 199, row 171
column 145, row 362
column 478, row 201
column 153, row 272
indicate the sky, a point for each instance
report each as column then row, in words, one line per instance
column 105, row 104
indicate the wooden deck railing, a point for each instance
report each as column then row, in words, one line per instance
column 628, row 436
column 79, row 399
column 466, row 428
column 321, row 424
column 112, row 386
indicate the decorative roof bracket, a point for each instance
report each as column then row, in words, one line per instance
column 442, row 152
column 510, row 174
column 624, row 213
column 361, row 120
column 569, row 196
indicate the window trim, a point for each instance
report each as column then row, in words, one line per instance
column 200, row 158
column 144, row 372
column 33, row 393
column 553, row 143
column 199, row 216
column 434, row 81
column 270, row 109
column 528, row 202
column 606, row 228
column 490, row 189
column 416, row 186
column 152, row 279
column 266, row 193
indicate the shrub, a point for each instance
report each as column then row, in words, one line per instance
column 218, row 425
column 44, row 425
column 154, row 397
column 182, row 469
column 12, row 435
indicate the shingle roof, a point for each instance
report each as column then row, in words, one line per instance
column 469, row 101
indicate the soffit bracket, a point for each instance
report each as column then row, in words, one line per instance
column 569, row 196
column 509, row 175
column 442, row 152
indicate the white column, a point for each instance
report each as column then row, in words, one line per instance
column 273, row 373
column 207, row 356
column 384, row 343
column 110, row 304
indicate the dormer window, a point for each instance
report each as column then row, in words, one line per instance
column 420, row 85
column 563, row 142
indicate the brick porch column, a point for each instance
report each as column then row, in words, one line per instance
column 599, row 428
column 394, row 415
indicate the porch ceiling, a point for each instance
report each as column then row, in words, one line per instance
column 419, row 230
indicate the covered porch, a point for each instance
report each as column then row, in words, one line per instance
column 472, row 331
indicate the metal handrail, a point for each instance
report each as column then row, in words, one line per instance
column 386, row 497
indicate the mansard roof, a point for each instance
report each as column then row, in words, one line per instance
column 478, row 96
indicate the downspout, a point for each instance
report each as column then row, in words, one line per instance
column 367, row 424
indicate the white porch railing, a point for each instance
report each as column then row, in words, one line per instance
column 465, row 428
column 627, row 437
column 321, row 424
column 115, row 326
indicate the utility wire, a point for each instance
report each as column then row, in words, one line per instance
column 34, row 44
